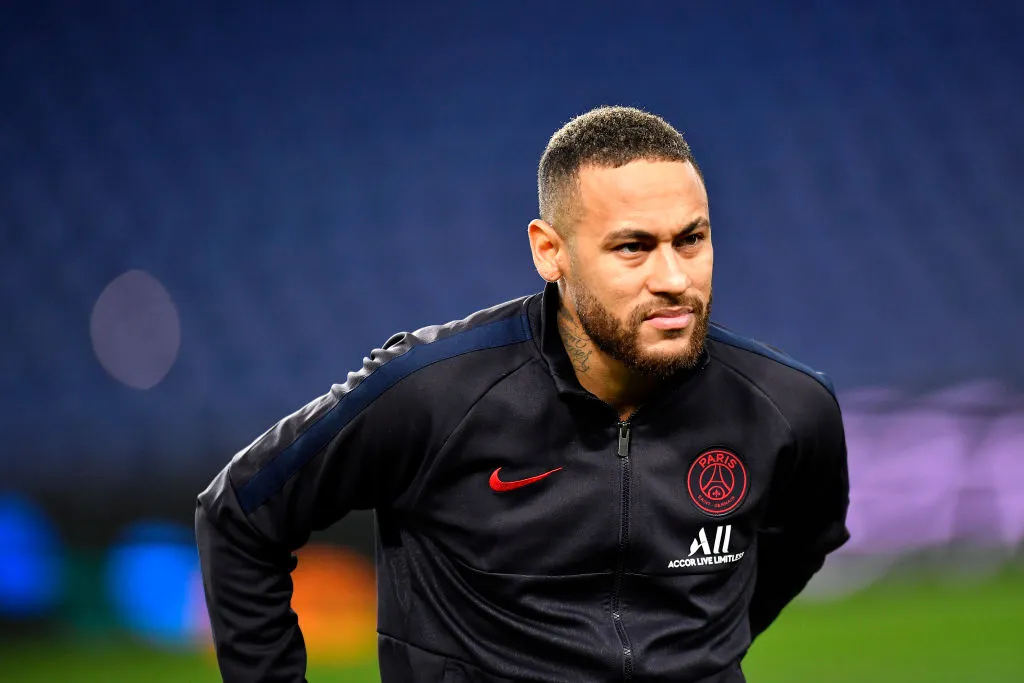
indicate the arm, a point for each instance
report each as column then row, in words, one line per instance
column 806, row 519
column 303, row 474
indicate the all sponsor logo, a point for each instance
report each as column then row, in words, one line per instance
column 706, row 553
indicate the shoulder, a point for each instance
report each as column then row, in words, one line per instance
column 805, row 396
column 502, row 325
column 476, row 349
column 771, row 363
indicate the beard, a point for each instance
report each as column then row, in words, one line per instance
column 621, row 340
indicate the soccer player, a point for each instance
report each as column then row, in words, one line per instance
column 593, row 483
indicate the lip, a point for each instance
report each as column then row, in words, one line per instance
column 670, row 312
column 670, row 318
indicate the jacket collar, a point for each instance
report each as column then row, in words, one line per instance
column 544, row 318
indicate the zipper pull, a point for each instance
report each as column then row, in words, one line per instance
column 623, row 450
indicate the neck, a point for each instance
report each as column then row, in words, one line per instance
column 598, row 373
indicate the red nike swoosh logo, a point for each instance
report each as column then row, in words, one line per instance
column 498, row 485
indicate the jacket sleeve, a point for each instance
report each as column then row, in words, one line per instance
column 806, row 520
column 352, row 448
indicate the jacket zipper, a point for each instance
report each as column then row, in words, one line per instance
column 622, row 451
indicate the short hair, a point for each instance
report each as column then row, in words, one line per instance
column 608, row 137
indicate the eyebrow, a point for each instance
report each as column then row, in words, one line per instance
column 638, row 235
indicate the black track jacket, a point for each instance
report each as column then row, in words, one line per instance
column 524, row 532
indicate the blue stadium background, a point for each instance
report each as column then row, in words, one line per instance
column 300, row 180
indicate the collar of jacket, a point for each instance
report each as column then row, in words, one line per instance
column 543, row 315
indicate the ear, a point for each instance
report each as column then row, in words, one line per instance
column 548, row 249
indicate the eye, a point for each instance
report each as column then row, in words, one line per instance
column 693, row 239
column 630, row 248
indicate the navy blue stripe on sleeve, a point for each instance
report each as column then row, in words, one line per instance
column 273, row 476
column 719, row 333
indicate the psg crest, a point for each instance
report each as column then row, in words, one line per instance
column 717, row 481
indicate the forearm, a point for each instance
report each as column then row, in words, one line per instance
column 806, row 517
column 248, row 594
column 781, row 575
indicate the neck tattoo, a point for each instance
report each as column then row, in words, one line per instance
column 576, row 343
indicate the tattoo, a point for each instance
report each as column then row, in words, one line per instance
column 576, row 344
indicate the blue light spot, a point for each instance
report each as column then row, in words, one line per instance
column 29, row 561
column 150, row 577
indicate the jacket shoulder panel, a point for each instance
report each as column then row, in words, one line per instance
column 725, row 336
column 402, row 356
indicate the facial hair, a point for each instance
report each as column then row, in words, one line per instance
column 621, row 340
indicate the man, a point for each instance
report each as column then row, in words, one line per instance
column 593, row 483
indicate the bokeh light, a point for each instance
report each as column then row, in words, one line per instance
column 151, row 576
column 335, row 598
column 29, row 559
column 135, row 330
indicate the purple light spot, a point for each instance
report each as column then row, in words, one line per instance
column 135, row 330
column 930, row 471
column 1001, row 453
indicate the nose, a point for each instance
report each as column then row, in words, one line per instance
column 668, row 272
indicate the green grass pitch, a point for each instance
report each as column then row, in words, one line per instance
column 905, row 631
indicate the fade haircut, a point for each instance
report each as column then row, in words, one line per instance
column 608, row 137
